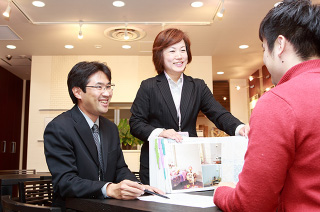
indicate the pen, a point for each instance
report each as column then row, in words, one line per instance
column 151, row 192
column 160, row 195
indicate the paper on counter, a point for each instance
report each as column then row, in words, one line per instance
column 190, row 200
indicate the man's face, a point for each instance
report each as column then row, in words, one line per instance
column 95, row 102
column 270, row 61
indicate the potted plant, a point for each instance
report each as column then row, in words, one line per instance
column 127, row 140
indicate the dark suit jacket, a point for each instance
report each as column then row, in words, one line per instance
column 154, row 107
column 72, row 156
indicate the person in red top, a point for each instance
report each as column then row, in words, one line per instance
column 281, row 171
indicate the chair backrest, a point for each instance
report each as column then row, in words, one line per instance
column 137, row 175
column 36, row 192
column 9, row 205
column 18, row 171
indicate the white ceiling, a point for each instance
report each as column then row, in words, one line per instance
column 57, row 24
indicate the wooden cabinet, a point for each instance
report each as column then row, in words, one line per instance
column 254, row 84
column 259, row 83
column 11, row 89
column 266, row 79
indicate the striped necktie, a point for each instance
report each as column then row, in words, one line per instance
column 95, row 132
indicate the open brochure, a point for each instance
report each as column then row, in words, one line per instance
column 196, row 164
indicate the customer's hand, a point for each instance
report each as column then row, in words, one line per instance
column 172, row 134
column 229, row 184
column 126, row 190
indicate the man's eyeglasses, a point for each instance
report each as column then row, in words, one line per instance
column 102, row 87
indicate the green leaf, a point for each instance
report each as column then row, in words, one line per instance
column 124, row 134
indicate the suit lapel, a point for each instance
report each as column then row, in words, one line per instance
column 187, row 90
column 164, row 88
column 85, row 133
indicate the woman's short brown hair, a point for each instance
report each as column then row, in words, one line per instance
column 164, row 39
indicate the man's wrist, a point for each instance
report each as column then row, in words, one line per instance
column 104, row 190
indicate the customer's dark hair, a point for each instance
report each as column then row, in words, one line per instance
column 80, row 74
column 299, row 22
column 164, row 39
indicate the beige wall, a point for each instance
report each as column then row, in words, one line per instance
column 48, row 89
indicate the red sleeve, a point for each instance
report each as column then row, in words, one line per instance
column 270, row 153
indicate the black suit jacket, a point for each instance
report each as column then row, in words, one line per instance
column 72, row 156
column 154, row 107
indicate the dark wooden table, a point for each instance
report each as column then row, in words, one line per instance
column 97, row 205
column 9, row 180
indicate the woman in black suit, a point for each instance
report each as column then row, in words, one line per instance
column 168, row 105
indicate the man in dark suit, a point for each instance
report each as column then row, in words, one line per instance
column 169, row 103
column 82, row 148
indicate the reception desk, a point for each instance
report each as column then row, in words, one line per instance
column 96, row 205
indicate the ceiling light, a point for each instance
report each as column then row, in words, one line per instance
column 197, row 4
column 11, row 47
column 97, row 46
column 68, row 46
column 224, row 98
column 126, row 37
column 80, row 35
column 118, row 3
column 238, row 87
column 277, row 4
column 251, row 78
column 243, row 46
column 8, row 10
column 220, row 72
column 126, row 46
column 221, row 12
column 38, row 3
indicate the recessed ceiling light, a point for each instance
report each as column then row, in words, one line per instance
column 277, row 4
column 68, row 46
column 197, row 4
column 126, row 46
column 243, row 46
column 11, row 47
column 97, row 46
column 38, row 3
column 220, row 72
column 224, row 98
column 118, row 3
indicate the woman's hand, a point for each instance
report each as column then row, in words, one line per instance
column 244, row 131
column 172, row 134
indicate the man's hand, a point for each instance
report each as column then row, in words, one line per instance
column 150, row 188
column 229, row 184
column 128, row 190
column 172, row 134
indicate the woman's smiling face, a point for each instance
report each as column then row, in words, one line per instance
column 175, row 58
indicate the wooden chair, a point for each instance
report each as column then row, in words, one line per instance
column 10, row 205
column 137, row 175
column 36, row 192
column 18, row 171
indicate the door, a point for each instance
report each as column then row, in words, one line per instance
column 11, row 89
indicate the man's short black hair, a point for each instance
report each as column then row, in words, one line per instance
column 299, row 22
column 80, row 74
